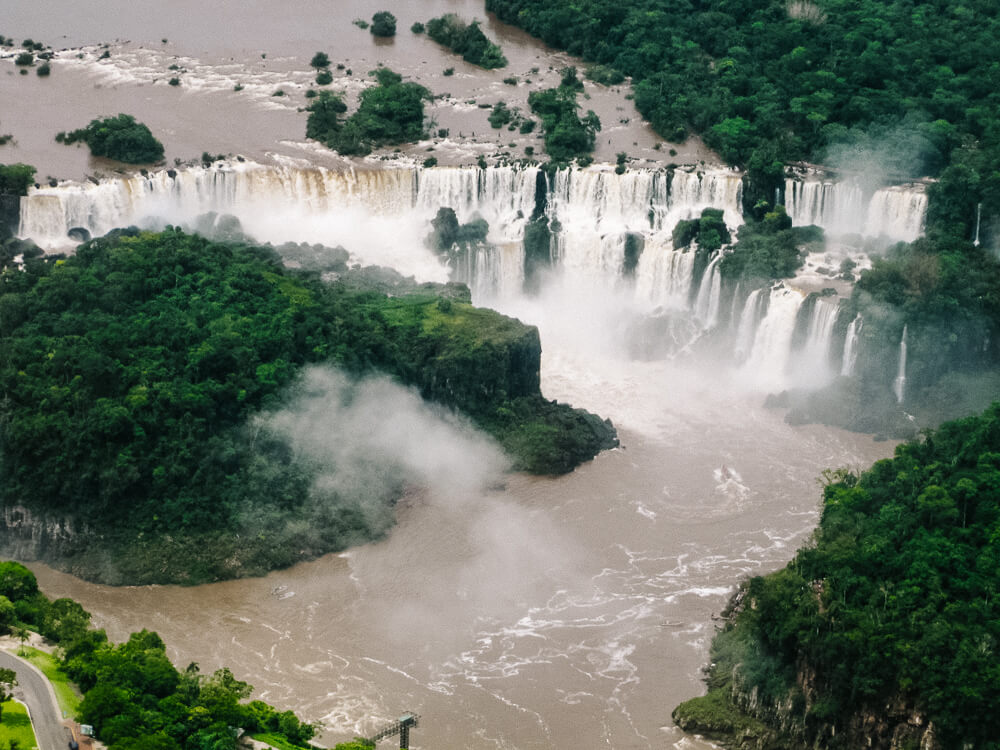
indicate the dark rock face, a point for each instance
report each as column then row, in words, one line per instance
column 79, row 234
column 29, row 535
column 10, row 208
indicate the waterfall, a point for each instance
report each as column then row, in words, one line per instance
column 664, row 275
column 751, row 314
column 851, row 345
column 382, row 216
column 838, row 207
column 813, row 360
column 706, row 308
column 767, row 364
column 895, row 213
column 899, row 384
column 979, row 215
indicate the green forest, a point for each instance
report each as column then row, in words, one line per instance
column 894, row 603
column 467, row 40
column 905, row 88
column 133, row 695
column 132, row 373
column 389, row 113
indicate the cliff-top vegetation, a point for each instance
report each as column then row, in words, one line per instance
column 139, row 377
column 892, row 613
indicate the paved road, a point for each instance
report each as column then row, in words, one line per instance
column 34, row 691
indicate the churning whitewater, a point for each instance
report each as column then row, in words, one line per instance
column 665, row 304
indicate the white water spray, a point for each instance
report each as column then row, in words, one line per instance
column 851, row 344
column 899, row 384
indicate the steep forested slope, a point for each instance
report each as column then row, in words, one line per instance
column 130, row 373
column 886, row 628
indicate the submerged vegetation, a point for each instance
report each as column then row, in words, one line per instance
column 894, row 605
column 140, row 377
column 120, row 138
column 383, row 24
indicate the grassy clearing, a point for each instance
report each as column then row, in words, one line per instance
column 16, row 726
column 66, row 692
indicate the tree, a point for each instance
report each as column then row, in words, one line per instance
column 8, row 680
column 120, row 138
column 66, row 621
column 383, row 24
column 15, row 179
column 320, row 60
column 16, row 581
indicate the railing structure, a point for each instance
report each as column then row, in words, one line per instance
column 401, row 727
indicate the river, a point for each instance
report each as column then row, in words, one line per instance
column 573, row 612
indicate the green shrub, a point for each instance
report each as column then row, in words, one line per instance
column 43, row 70
column 120, row 138
column 25, row 58
column 467, row 40
column 417, row 28
column 320, row 60
column 383, row 24
column 324, row 78
column 390, row 113
column 604, row 75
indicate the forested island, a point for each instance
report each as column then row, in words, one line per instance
column 141, row 374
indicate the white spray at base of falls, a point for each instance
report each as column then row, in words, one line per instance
column 899, row 384
column 851, row 343
column 660, row 306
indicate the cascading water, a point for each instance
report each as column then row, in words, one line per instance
column 706, row 309
column 899, row 384
column 382, row 215
column 749, row 318
column 838, row 207
column 895, row 213
column 664, row 275
column 979, row 216
column 851, row 343
column 812, row 362
column 767, row 365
